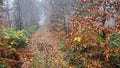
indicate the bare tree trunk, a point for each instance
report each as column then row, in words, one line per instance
column 8, row 15
column 19, row 24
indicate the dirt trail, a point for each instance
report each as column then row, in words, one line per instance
column 46, row 51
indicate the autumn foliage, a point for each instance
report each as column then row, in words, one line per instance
column 14, row 52
column 91, row 43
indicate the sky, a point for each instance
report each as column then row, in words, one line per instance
column 40, row 0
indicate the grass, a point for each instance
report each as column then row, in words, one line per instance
column 36, row 63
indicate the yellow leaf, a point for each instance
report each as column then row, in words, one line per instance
column 78, row 39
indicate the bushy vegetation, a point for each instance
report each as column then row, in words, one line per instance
column 1, row 1
column 89, row 42
column 10, row 41
column 13, row 38
column 92, row 49
column 31, row 30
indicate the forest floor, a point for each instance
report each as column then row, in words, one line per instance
column 46, row 50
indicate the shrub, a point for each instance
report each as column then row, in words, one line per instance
column 89, row 43
column 31, row 30
column 2, row 66
column 10, row 41
column 13, row 38
column 1, row 1
column 94, row 49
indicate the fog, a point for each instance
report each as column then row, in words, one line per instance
column 25, row 13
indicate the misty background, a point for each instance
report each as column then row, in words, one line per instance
column 24, row 13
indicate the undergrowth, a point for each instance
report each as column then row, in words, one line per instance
column 10, row 41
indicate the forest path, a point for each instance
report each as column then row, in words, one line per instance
column 46, row 51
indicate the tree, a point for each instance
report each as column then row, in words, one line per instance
column 5, row 17
column 27, row 13
column 61, row 10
